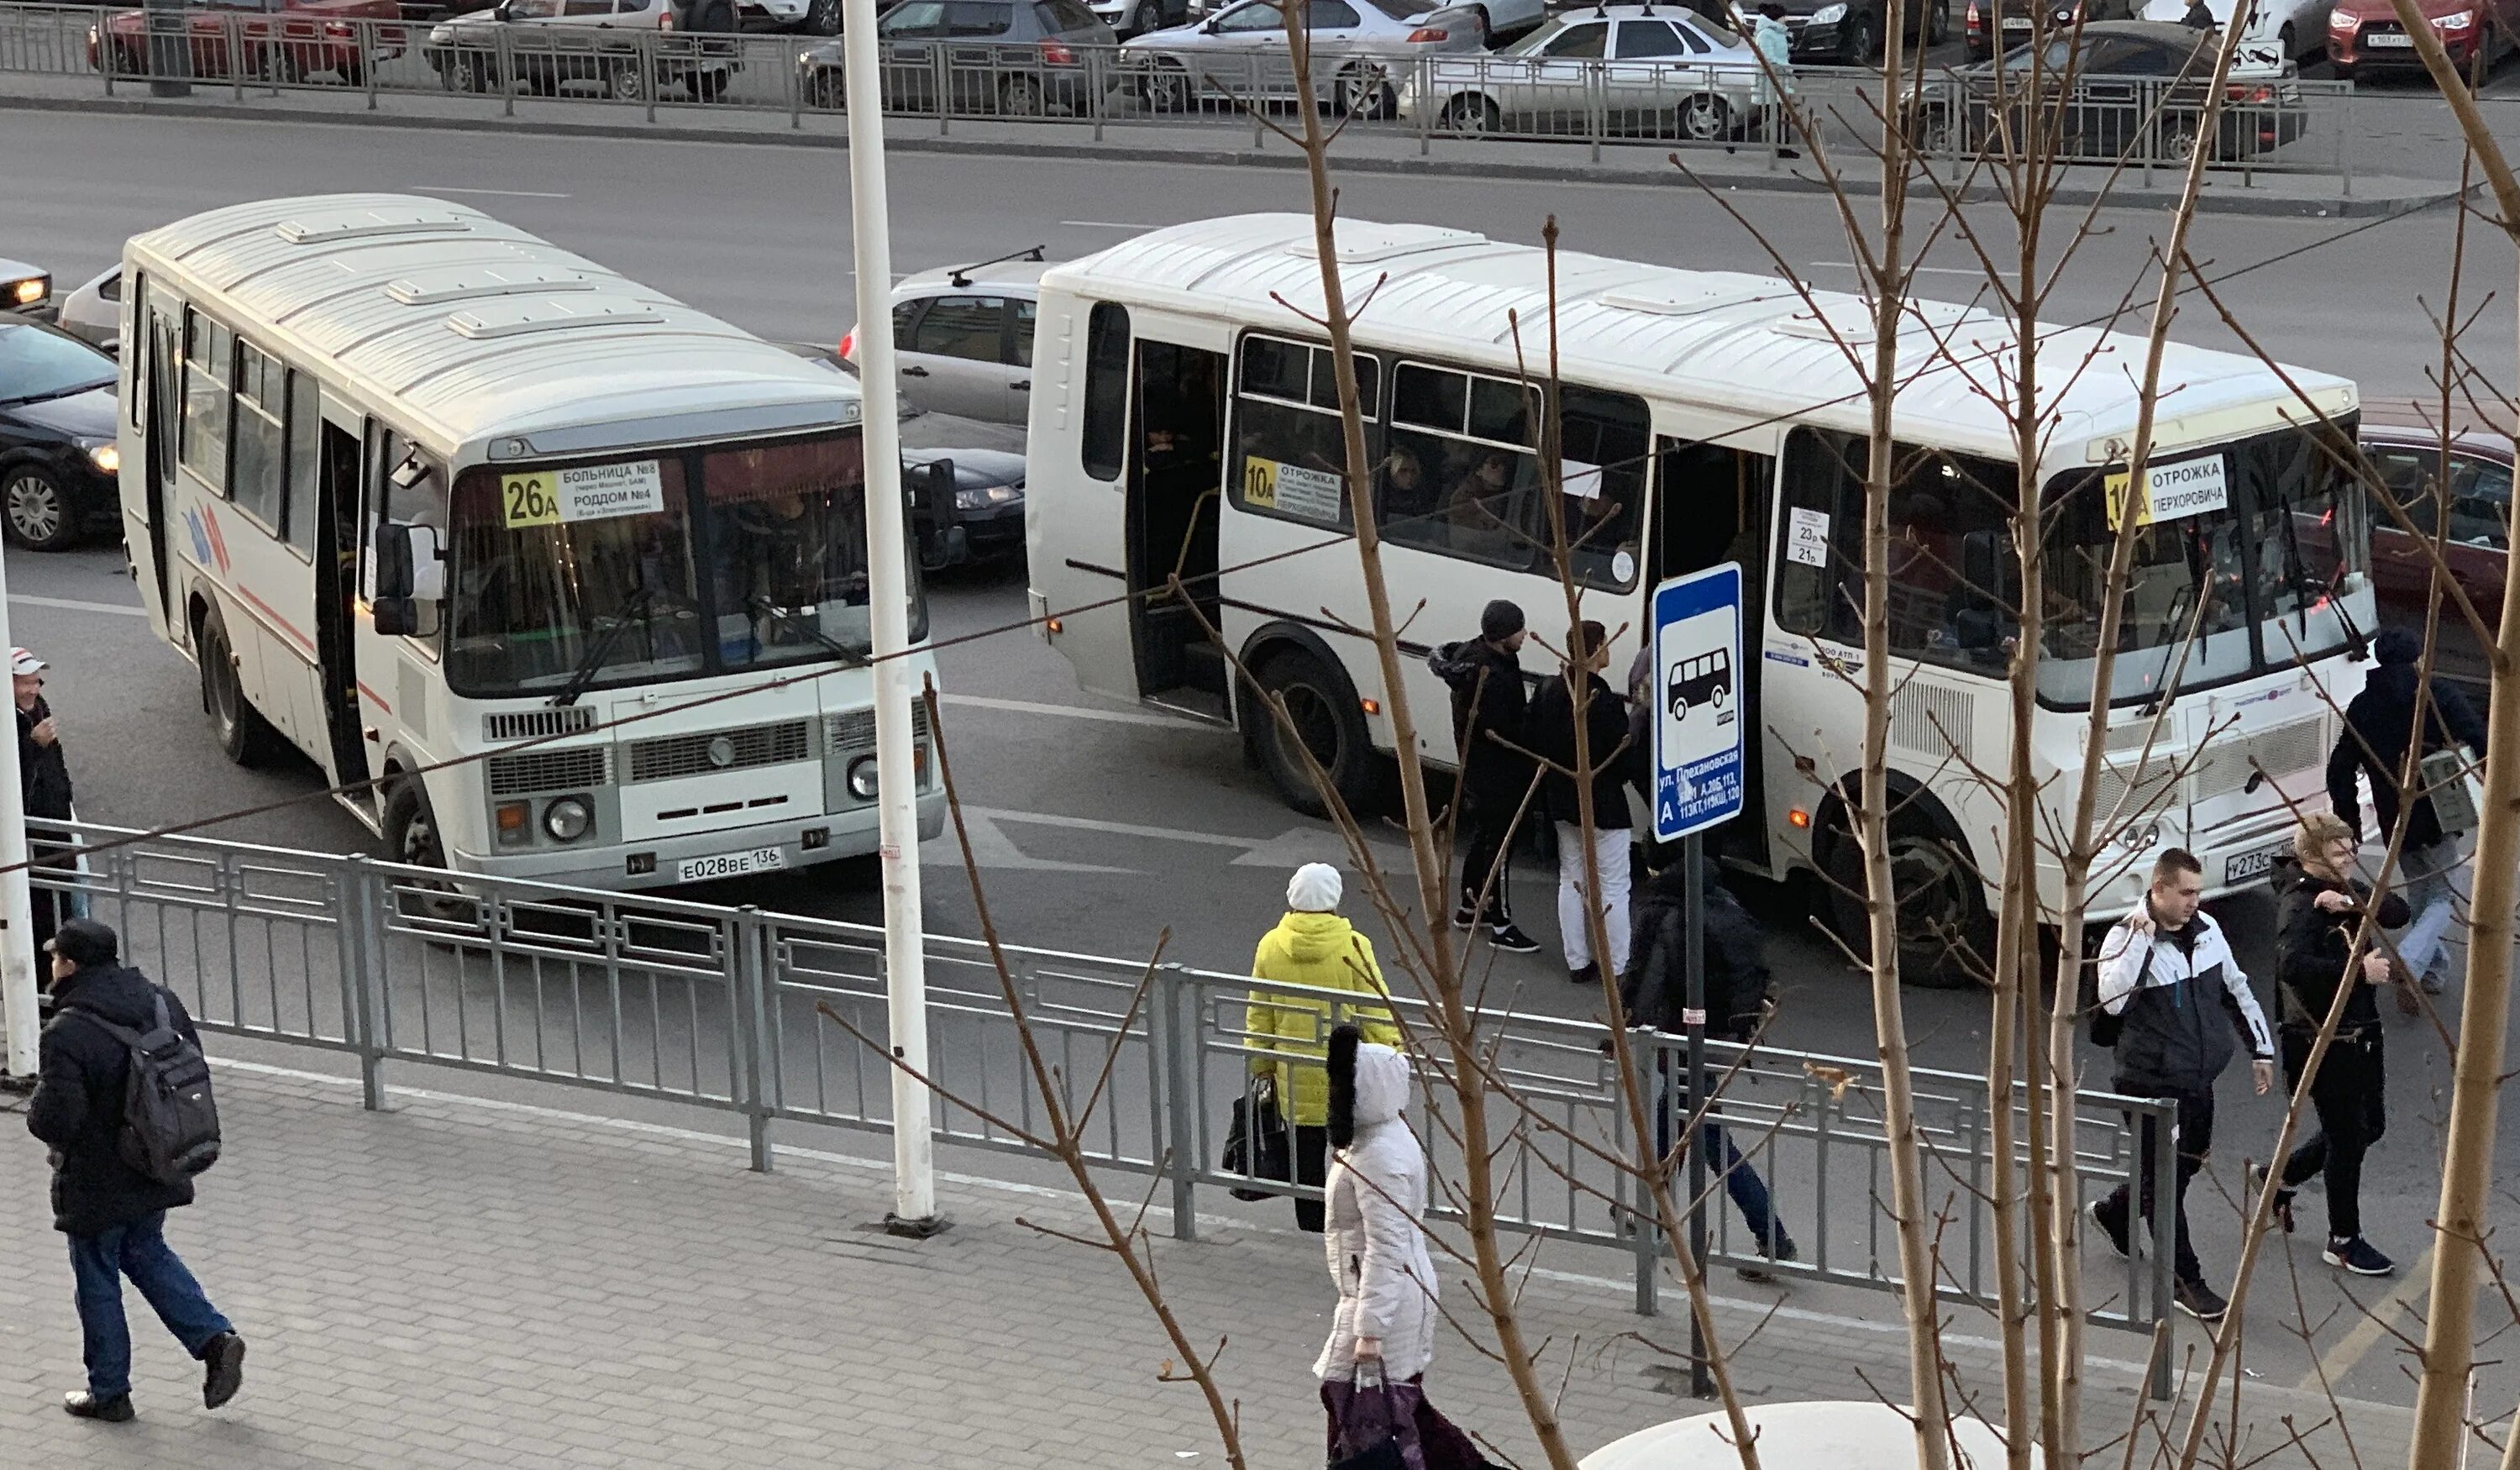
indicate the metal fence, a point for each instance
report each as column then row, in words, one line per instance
column 1459, row 103
column 720, row 1007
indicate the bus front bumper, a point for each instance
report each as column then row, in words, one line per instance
column 2237, row 857
column 849, row 834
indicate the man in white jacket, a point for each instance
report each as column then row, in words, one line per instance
column 2169, row 988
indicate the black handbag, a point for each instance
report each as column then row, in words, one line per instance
column 1374, row 1426
column 1257, row 1143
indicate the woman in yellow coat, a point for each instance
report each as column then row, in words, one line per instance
column 1312, row 946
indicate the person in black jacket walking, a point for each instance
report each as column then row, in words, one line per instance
column 2380, row 725
column 1654, row 993
column 1490, row 708
column 114, row 1215
column 2320, row 905
column 44, row 779
column 1552, row 738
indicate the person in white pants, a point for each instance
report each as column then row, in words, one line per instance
column 1610, row 757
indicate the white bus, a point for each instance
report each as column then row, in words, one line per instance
column 1184, row 417
column 411, row 485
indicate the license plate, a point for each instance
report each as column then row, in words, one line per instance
column 2388, row 38
column 2240, row 867
column 2016, row 23
column 728, row 865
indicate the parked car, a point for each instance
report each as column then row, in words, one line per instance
column 554, row 44
column 966, row 505
column 278, row 40
column 1849, row 32
column 26, row 291
column 2363, row 36
column 962, row 338
column 1656, row 71
column 2474, row 537
column 1132, row 17
column 1360, row 49
column 57, row 461
column 1014, row 58
column 93, row 313
column 1979, row 27
column 2138, row 91
column 2297, row 26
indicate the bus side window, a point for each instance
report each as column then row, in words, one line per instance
column 258, row 484
column 1461, row 478
column 1603, row 442
column 1820, row 556
column 1103, row 442
column 209, row 352
column 1291, row 451
column 306, row 461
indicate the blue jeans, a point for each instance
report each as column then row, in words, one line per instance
column 137, row 1250
column 1741, row 1182
column 2433, row 888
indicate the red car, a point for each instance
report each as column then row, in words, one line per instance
column 2409, row 460
column 2363, row 36
column 283, row 40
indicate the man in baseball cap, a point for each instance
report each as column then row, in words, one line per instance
column 25, row 665
column 46, row 772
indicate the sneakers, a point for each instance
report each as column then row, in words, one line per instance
column 1589, row 975
column 1783, row 1250
column 2432, row 983
column 1465, row 916
column 2200, row 1301
column 1512, row 940
column 2355, row 1254
column 2115, row 1235
column 223, row 1369
column 79, row 1404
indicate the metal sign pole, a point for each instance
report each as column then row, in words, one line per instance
column 1692, row 867
column 905, row 942
column 17, row 982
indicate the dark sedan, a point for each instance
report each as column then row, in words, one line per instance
column 1013, row 58
column 2468, row 517
column 2118, row 90
column 57, row 456
column 968, row 504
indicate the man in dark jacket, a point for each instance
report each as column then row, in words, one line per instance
column 1552, row 738
column 2320, row 907
column 2380, row 725
column 2168, row 980
column 114, row 1215
column 1655, row 992
column 1489, row 708
column 43, row 776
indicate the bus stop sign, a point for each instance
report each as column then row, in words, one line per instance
column 1697, row 676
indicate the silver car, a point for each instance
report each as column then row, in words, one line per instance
column 962, row 340
column 1361, row 50
column 1656, row 70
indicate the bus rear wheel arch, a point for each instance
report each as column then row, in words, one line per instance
column 1945, row 931
column 1325, row 717
column 241, row 731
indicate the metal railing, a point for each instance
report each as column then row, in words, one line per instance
column 1458, row 103
column 719, row 1007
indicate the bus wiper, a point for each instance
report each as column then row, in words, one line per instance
column 788, row 615
column 593, row 663
column 2173, row 620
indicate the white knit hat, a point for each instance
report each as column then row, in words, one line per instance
column 1314, row 889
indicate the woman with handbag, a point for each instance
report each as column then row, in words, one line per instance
column 1315, row 948
column 1382, row 1336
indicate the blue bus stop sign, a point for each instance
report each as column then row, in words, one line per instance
column 1697, row 678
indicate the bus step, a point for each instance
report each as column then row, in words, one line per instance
column 363, row 811
column 1193, row 704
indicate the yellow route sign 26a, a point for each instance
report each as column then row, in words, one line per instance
column 529, row 500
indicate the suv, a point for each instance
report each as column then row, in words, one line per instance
column 552, row 44
column 1014, row 58
column 1849, row 32
column 962, row 338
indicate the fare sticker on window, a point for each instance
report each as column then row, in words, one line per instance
column 2173, row 491
column 1290, row 489
column 1807, row 537
column 581, row 492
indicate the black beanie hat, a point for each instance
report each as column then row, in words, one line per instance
column 1501, row 620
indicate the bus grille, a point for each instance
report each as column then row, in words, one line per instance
column 856, row 729
column 572, row 770
column 672, row 756
column 2280, row 751
column 534, row 723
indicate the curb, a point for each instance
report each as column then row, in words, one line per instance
column 2232, row 204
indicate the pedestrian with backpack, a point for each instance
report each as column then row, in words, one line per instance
column 123, row 1101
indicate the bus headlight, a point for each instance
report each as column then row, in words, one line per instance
column 568, row 818
column 862, row 778
column 2138, row 837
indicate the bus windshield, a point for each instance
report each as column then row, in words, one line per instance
column 2248, row 558
column 630, row 570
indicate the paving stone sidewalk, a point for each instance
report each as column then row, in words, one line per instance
column 470, row 1283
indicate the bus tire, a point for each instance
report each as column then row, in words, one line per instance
column 241, row 731
column 1326, row 716
column 1946, row 934
column 410, row 826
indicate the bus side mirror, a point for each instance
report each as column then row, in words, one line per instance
column 394, row 617
column 404, row 565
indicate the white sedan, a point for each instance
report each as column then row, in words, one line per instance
column 1640, row 68
column 2299, row 26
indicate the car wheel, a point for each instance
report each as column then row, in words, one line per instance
column 823, row 17
column 1944, row 929
column 1363, row 92
column 824, row 89
column 1326, row 721
column 1862, row 44
column 1019, row 97
column 471, row 74
column 709, row 86
column 241, row 731
column 1938, row 24
column 628, row 81
column 2177, row 139
column 35, row 510
column 1167, row 90
column 1473, row 113
column 1704, row 118
column 354, row 73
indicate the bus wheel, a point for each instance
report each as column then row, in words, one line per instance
column 240, row 730
column 1325, row 719
column 1945, row 932
column 412, row 838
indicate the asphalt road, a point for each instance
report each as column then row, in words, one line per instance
column 1103, row 826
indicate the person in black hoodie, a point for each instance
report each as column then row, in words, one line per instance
column 44, row 781
column 2320, row 907
column 1654, row 993
column 1552, row 738
column 114, row 1215
column 2378, row 726
column 1489, row 708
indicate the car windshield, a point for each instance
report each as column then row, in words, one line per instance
column 1403, row 9
column 2249, row 558
column 38, row 363
column 635, row 570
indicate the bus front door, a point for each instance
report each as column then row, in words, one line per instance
column 1174, row 475
column 1711, row 506
column 336, row 585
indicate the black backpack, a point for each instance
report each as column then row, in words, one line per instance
column 171, row 1125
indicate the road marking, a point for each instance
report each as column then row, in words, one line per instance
column 1105, row 224
column 74, row 604
column 504, row 193
column 2372, row 1325
column 1922, row 270
column 1076, row 712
